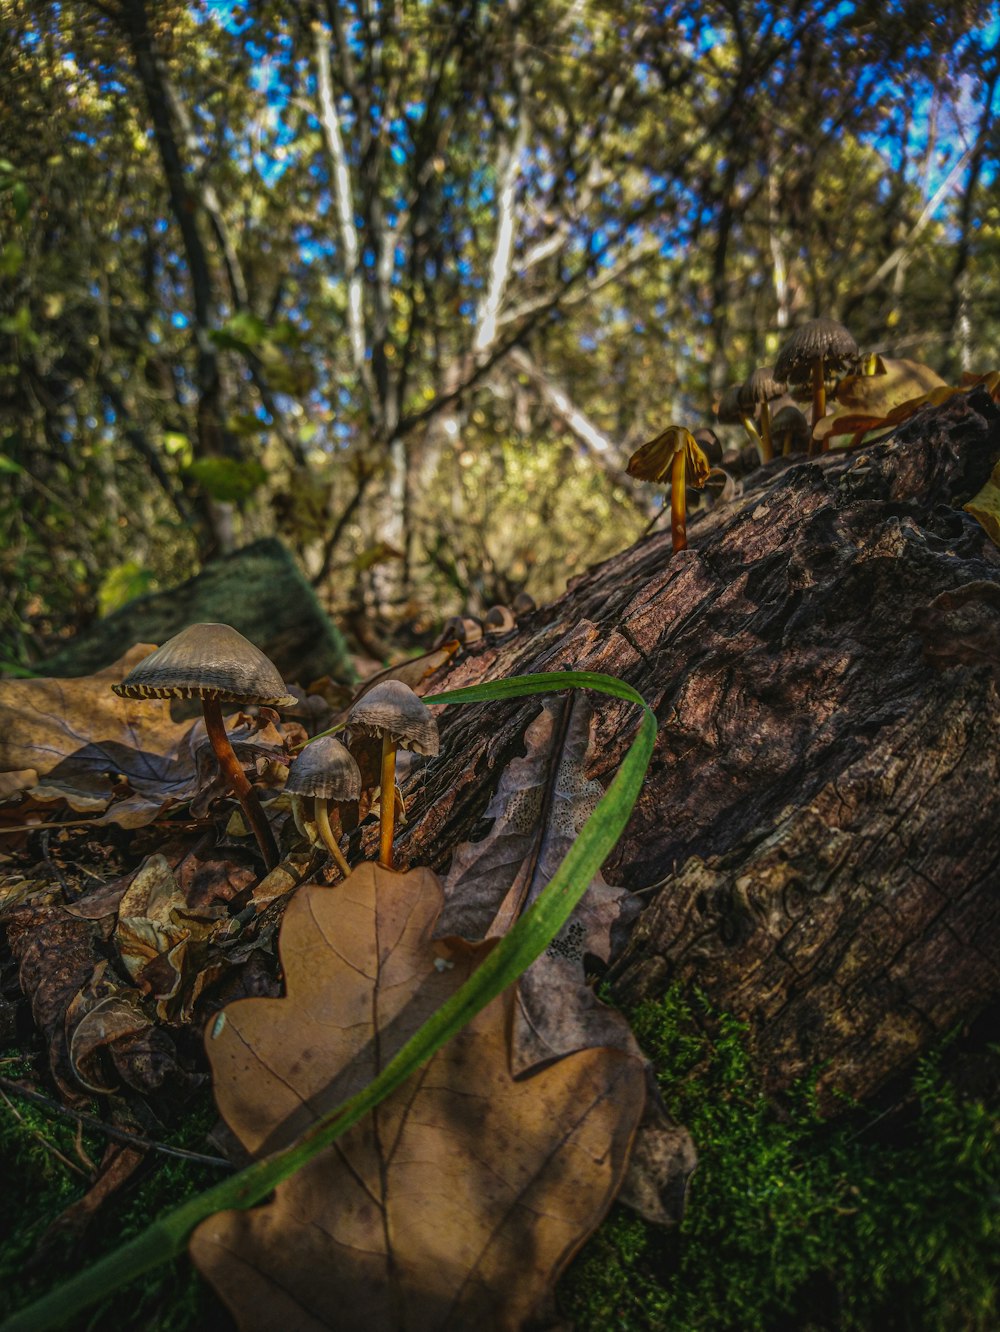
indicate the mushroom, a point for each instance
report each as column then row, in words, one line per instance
column 499, row 620
column 731, row 411
column 710, row 445
column 524, row 604
column 327, row 771
column 760, row 390
column 790, row 430
column 216, row 664
column 393, row 711
column 672, row 451
column 461, row 629
column 816, row 347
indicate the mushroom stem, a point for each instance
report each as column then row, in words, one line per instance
column 678, row 501
column 321, row 816
column 751, row 431
column 233, row 772
column 766, row 440
column 387, row 801
column 819, row 393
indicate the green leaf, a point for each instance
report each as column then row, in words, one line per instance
column 226, row 479
column 11, row 259
column 121, row 584
column 167, row 1235
column 9, row 465
column 22, row 200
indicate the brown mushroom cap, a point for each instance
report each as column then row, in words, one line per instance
column 211, row 661
column 524, row 603
column 819, row 338
column 392, row 708
column 762, row 386
column 729, row 410
column 325, row 768
column 790, row 421
column 460, row 629
column 710, row 445
column 499, row 619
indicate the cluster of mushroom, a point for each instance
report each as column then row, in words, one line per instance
column 216, row 664
column 812, row 354
column 467, row 629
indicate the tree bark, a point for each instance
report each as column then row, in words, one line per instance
column 817, row 837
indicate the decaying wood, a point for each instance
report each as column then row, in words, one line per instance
column 817, row 837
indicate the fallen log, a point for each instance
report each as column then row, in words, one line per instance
column 817, row 838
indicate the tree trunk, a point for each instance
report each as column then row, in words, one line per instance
column 817, row 836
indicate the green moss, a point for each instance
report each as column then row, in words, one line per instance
column 38, row 1151
column 794, row 1223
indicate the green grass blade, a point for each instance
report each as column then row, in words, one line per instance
column 167, row 1236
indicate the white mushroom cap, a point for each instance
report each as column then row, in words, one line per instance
column 392, row 708
column 325, row 768
column 211, row 661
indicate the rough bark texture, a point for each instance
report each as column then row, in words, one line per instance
column 817, row 836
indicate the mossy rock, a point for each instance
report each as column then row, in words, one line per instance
column 259, row 590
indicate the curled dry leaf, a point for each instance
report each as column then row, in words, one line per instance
column 162, row 940
column 458, row 1201
column 95, row 1028
column 541, row 802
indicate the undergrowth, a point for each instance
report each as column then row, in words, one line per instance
column 793, row 1223
column 46, row 1168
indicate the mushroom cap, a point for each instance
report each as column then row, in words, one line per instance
column 524, row 603
column 819, row 338
column 327, row 769
column 762, row 386
column 790, row 421
column 461, row 629
column 392, row 708
column 729, row 410
column 708, row 441
column 499, row 619
column 211, row 661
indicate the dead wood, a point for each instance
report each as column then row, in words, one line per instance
column 817, row 837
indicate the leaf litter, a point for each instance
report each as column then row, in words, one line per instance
column 530, row 1111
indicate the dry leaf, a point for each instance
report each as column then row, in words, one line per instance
column 541, row 802
column 985, row 506
column 458, row 1201
column 413, row 671
column 74, row 740
column 161, row 938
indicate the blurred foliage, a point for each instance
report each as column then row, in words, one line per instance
column 425, row 276
column 796, row 1223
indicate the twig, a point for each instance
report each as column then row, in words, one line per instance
column 99, row 1126
column 70, row 1165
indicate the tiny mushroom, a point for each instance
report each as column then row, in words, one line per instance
column 790, row 431
column 673, row 452
column 811, row 351
column 524, row 604
column 394, row 712
column 731, row 411
column 760, row 390
column 461, row 629
column 499, row 620
column 326, row 770
column 216, row 664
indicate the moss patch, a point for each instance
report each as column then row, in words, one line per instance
column 794, row 1223
column 45, row 1171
